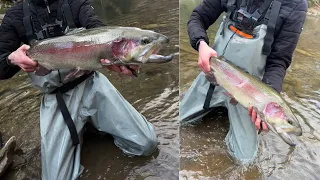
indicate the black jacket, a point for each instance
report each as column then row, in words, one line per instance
column 288, row 28
column 12, row 31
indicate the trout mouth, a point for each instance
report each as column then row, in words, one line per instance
column 287, row 138
column 282, row 124
column 146, row 49
column 284, row 130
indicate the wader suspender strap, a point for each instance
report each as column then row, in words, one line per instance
column 230, row 7
column 68, row 14
column 258, row 13
column 244, row 5
column 209, row 96
column 273, row 15
column 268, row 40
column 67, row 119
column 31, row 35
column 59, row 12
column 27, row 21
column 63, row 108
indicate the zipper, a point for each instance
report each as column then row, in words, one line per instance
column 48, row 8
column 47, row 4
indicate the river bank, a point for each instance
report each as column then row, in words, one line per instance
column 314, row 11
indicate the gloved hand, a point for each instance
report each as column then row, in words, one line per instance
column 20, row 58
column 121, row 69
column 205, row 53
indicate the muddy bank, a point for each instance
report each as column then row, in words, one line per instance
column 314, row 11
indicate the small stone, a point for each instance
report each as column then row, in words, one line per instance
column 6, row 154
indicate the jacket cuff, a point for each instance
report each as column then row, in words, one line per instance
column 273, row 84
column 198, row 43
column 9, row 63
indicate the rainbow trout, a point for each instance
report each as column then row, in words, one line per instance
column 82, row 49
column 249, row 90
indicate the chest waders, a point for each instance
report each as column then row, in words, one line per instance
column 90, row 98
column 247, row 51
column 51, row 30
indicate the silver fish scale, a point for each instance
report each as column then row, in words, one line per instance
column 83, row 48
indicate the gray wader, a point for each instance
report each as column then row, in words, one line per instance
column 97, row 99
column 242, row 139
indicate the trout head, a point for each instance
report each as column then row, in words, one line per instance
column 282, row 122
column 137, row 45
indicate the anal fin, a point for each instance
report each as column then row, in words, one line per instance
column 232, row 101
column 42, row 71
column 211, row 78
column 76, row 73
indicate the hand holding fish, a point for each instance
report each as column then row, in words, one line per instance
column 255, row 118
column 262, row 101
column 120, row 69
column 20, row 59
column 205, row 53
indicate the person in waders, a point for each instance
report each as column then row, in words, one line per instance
column 258, row 36
column 67, row 105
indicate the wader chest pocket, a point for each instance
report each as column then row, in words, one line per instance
column 242, row 34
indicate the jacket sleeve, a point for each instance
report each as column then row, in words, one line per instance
column 87, row 17
column 283, row 47
column 9, row 42
column 202, row 17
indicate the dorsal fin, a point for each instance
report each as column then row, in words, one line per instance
column 33, row 42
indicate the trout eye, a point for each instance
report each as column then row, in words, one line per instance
column 145, row 41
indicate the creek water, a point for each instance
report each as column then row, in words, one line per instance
column 154, row 93
column 203, row 151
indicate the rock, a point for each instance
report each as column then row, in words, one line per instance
column 6, row 155
column 1, row 17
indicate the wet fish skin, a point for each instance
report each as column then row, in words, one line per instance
column 249, row 90
column 82, row 49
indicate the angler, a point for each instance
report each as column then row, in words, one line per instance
column 259, row 37
column 68, row 103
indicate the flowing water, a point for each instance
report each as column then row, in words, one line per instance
column 154, row 93
column 203, row 150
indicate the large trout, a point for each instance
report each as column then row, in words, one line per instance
column 82, row 49
column 249, row 90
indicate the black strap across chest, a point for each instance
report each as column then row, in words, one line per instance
column 270, row 9
column 63, row 11
column 270, row 19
